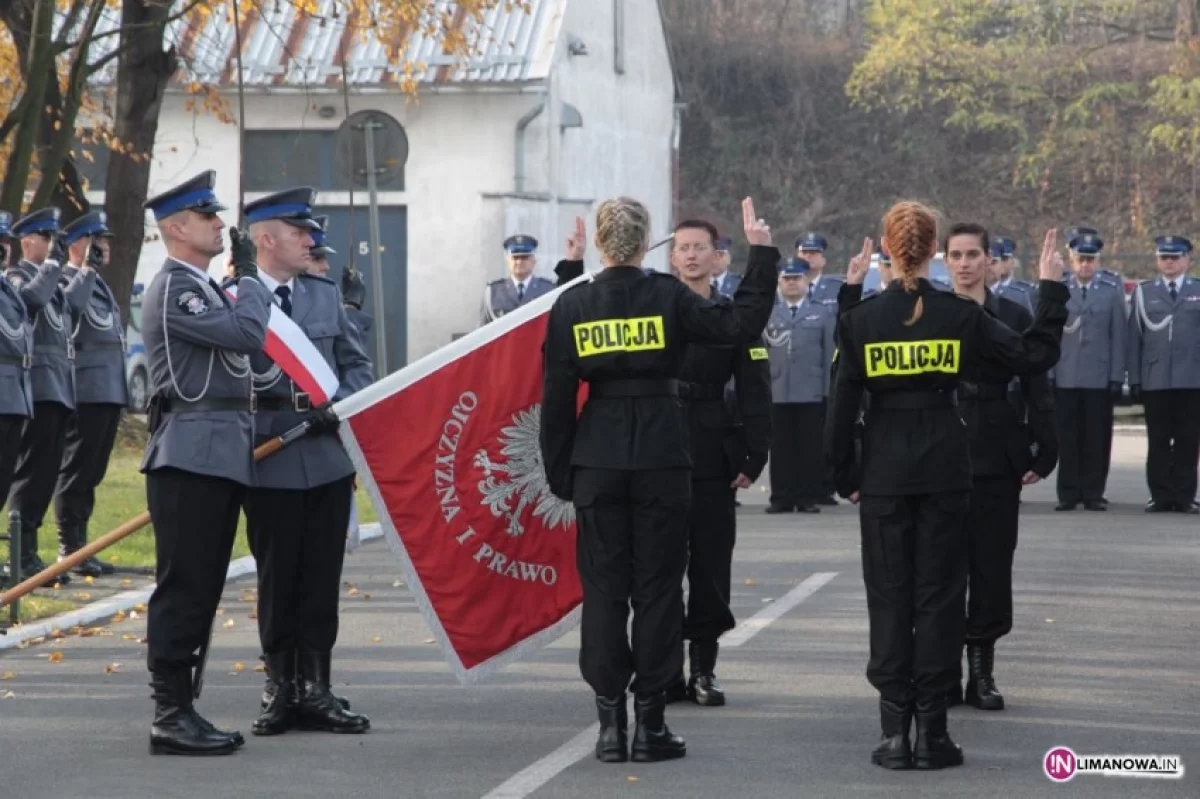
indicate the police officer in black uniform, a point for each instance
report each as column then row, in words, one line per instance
column 625, row 463
column 1004, row 437
column 199, row 459
column 907, row 347
column 729, row 450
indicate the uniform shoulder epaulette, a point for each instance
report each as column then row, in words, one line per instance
column 838, row 278
column 498, row 281
column 1107, row 280
column 539, row 278
column 321, row 278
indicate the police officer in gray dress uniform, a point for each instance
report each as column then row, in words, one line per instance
column 16, row 358
column 299, row 507
column 1088, row 377
column 52, row 309
column 724, row 281
column 1006, row 286
column 810, row 247
column 199, row 460
column 799, row 339
column 521, row 286
column 1164, row 372
column 101, row 394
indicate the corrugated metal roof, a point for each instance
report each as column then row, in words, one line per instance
column 283, row 47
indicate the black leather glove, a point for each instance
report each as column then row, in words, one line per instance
column 95, row 256
column 243, row 254
column 1114, row 388
column 354, row 290
column 321, row 420
column 1135, row 394
column 58, row 250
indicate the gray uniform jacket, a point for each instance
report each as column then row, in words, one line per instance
column 197, row 344
column 728, row 283
column 1017, row 292
column 1164, row 336
column 800, row 349
column 52, row 317
column 500, row 296
column 1093, row 342
column 360, row 319
column 826, row 287
column 99, row 338
column 16, row 353
column 309, row 461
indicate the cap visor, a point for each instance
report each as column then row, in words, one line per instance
column 306, row 222
column 322, row 250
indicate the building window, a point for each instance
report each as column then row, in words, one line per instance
column 277, row 159
column 91, row 160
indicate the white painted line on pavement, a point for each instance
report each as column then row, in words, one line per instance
column 127, row 599
column 526, row 782
column 759, row 621
column 535, row 776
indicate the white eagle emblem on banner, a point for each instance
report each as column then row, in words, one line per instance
column 521, row 479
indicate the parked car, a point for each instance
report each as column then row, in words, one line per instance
column 938, row 271
column 137, row 370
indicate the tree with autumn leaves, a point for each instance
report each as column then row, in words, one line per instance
column 52, row 51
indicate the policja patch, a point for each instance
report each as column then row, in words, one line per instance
column 192, row 302
column 912, row 357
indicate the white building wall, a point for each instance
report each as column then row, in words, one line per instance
column 460, row 174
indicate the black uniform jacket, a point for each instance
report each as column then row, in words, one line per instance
column 626, row 333
column 727, row 441
column 914, row 441
column 1005, row 429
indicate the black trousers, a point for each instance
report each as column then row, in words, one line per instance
column 195, row 520
column 915, row 569
column 991, row 544
column 632, row 549
column 712, row 531
column 1173, row 430
column 90, row 434
column 42, row 441
column 10, row 447
column 1085, row 429
column 298, row 538
column 799, row 475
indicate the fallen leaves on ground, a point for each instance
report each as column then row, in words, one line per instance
column 228, row 623
column 366, row 596
column 254, row 614
column 260, row 669
column 139, row 608
column 353, row 592
column 249, row 596
column 119, row 616
column 8, row 675
column 397, row 583
column 111, row 668
column 751, row 581
column 7, row 695
column 89, row 580
column 431, row 640
column 239, row 667
column 55, row 657
column 57, row 633
column 220, row 611
column 375, row 639
column 82, row 596
column 127, row 583
column 129, row 637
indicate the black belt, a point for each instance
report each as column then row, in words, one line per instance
column 301, row 403
column 98, row 345
column 982, row 392
column 608, row 389
column 25, row 361
column 702, row 391
column 913, row 400
column 206, row 405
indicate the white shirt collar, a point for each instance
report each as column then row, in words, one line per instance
column 1165, row 281
column 517, row 283
column 201, row 272
column 272, row 284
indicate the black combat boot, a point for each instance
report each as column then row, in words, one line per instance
column 71, row 539
column 613, row 744
column 319, row 709
column 934, row 749
column 703, row 688
column 895, row 749
column 652, row 739
column 279, row 715
column 269, row 685
column 31, row 562
column 177, row 728
column 981, row 686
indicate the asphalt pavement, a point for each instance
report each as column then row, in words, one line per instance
column 1102, row 660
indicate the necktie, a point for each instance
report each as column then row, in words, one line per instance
column 285, row 299
column 520, row 291
column 1171, row 288
column 1085, row 293
column 794, row 309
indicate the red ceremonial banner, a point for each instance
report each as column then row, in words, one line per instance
column 448, row 449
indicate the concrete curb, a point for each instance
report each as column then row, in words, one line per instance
column 128, row 599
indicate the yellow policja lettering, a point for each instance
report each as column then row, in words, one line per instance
column 901, row 358
column 758, row 353
column 619, row 335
